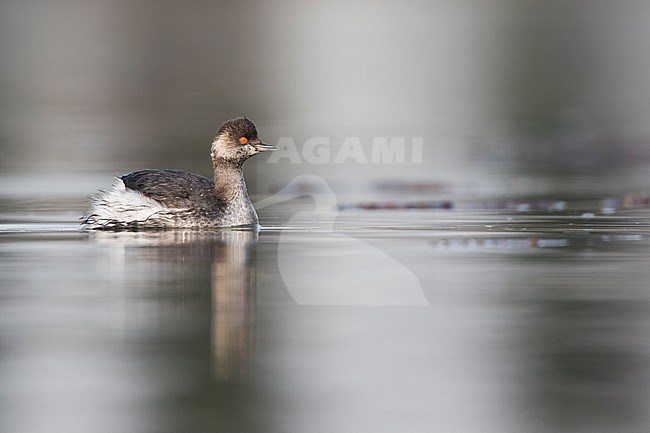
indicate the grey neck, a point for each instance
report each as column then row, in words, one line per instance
column 230, row 189
column 229, row 181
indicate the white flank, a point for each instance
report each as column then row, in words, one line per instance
column 121, row 205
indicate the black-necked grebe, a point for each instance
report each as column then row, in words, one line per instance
column 154, row 199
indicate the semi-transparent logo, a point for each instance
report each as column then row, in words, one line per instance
column 357, row 274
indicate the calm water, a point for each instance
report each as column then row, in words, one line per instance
column 493, row 278
column 327, row 321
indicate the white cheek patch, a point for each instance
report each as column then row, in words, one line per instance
column 220, row 149
column 224, row 151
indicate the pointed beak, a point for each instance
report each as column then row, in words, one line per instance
column 263, row 147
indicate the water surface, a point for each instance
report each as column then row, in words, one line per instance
column 330, row 320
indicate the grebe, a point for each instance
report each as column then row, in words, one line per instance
column 159, row 199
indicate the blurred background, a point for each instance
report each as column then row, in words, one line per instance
column 551, row 92
column 530, row 317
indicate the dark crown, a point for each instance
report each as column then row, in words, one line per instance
column 239, row 127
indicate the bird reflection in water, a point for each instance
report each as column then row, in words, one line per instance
column 233, row 303
column 167, row 258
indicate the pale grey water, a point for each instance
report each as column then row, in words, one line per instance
column 523, row 308
column 499, row 322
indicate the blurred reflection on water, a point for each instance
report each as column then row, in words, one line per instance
column 233, row 296
column 532, row 322
column 233, row 305
column 117, row 331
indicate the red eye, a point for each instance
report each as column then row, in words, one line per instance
column 243, row 140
